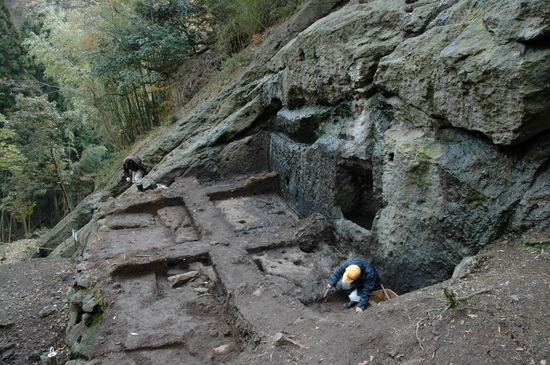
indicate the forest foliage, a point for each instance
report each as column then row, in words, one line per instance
column 82, row 81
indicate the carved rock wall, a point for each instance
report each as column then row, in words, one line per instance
column 419, row 128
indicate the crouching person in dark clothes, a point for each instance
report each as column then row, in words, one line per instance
column 358, row 279
column 134, row 171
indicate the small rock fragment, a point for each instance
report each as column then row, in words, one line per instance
column 223, row 349
column 46, row 311
column 182, row 279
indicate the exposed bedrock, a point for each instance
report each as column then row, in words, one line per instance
column 419, row 129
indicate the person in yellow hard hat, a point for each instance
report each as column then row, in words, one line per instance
column 358, row 279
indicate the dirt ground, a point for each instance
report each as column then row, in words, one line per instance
column 256, row 295
column 33, row 304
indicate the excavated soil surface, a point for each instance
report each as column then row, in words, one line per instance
column 230, row 274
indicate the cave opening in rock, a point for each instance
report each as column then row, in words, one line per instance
column 354, row 194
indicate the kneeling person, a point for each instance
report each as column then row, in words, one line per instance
column 134, row 171
column 358, row 279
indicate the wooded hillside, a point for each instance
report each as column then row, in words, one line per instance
column 84, row 81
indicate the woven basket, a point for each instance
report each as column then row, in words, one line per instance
column 378, row 296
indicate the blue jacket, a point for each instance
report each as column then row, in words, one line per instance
column 368, row 282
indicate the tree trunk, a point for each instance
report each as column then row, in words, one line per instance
column 60, row 181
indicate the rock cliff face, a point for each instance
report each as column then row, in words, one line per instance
column 420, row 129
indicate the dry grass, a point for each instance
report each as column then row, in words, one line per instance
column 215, row 79
column 17, row 251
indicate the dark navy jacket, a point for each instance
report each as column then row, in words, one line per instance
column 368, row 282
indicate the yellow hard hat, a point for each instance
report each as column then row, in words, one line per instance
column 353, row 272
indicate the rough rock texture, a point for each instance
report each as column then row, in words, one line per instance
column 81, row 216
column 475, row 70
column 251, row 254
column 420, row 129
column 145, row 294
column 257, row 293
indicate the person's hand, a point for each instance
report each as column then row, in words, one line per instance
column 329, row 286
column 128, row 179
column 358, row 310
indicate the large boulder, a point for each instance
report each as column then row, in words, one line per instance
column 71, row 224
column 485, row 69
column 420, row 129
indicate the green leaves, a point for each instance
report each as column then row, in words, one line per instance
column 37, row 124
column 11, row 159
column 452, row 299
column 236, row 21
column 153, row 44
column 37, row 129
column 12, row 59
column 91, row 162
column 135, row 51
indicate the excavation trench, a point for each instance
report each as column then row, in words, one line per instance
column 190, row 272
